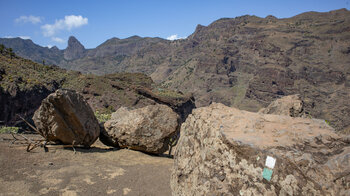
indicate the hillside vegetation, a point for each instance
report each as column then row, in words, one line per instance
column 24, row 83
column 245, row 62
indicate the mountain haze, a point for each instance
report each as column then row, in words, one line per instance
column 245, row 61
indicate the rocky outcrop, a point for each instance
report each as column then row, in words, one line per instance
column 147, row 129
column 65, row 117
column 226, row 151
column 74, row 50
column 182, row 105
column 291, row 105
column 15, row 101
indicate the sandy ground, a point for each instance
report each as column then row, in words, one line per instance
column 96, row 171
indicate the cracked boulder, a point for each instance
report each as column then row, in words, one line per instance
column 148, row 129
column 226, row 151
column 65, row 117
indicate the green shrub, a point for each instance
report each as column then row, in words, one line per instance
column 102, row 117
column 9, row 129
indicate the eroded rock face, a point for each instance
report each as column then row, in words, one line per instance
column 226, row 151
column 74, row 49
column 147, row 129
column 65, row 117
column 291, row 105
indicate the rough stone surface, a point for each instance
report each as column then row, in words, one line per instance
column 106, row 139
column 65, row 117
column 147, row 129
column 222, row 151
column 291, row 105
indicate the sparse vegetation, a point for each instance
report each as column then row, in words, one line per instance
column 102, row 117
column 104, row 93
column 6, row 129
column 167, row 93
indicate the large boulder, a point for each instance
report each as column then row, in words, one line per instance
column 65, row 117
column 291, row 105
column 146, row 129
column 226, row 151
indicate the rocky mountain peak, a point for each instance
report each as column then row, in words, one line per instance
column 74, row 49
column 54, row 48
column 72, row 41
column 197, row 31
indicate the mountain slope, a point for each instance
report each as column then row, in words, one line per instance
column 245, row 62
column 27, row 49
column 248, row 61
column 21, row 93
column 133, row 54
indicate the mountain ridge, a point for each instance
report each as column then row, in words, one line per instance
column 245, row 62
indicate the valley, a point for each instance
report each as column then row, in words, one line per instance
column 245, row 62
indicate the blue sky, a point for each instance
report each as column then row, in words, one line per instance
column 49, row 22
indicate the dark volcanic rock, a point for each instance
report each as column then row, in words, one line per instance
column 65, row 117
column 226, row 151
column 14, row 102
column 74, row 50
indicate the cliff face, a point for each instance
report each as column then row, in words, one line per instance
column 247, row 62
column 21, row 102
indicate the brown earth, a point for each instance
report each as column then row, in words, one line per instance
column 96, row 171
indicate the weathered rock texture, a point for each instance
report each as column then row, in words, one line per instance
column 222, row 151
column 65, row 117
column 291, row 105
column 147, row 129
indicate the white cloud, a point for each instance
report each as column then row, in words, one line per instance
column 22, row 36
column 57, row 39
column 174, row 37
column 68, row 23
column 49, row 46
column 26, row 19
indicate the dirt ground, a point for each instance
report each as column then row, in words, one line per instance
column 96, row 171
